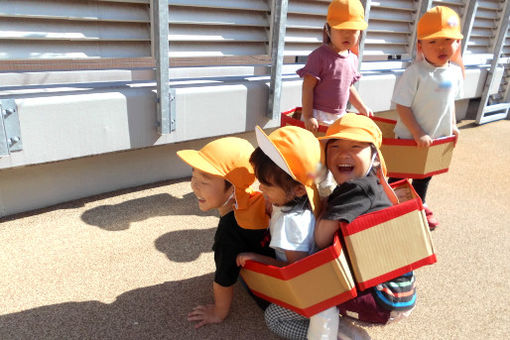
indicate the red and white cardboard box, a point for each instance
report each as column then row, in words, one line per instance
column 391, row 242
column 404, row 159
column 308, row 286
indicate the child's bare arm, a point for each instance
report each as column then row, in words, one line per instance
column 243, row 257
column 356, row 101
column 216, row 313
column 309, row 83
column 293, row 256
column 324, row 232
column 456, row 131
column 407, row 116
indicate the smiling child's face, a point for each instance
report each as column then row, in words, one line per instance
column 210, row 190
column 348, row 159
column 438, row 51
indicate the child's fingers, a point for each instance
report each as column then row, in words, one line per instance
column 201, row 323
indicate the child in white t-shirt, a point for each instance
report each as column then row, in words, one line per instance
column 425, row 94
column 285, row 165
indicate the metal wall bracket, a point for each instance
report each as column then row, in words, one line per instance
column 278, row 29
column 10, row 132
column 165, row 111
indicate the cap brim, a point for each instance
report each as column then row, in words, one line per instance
column 346, row 135
column 445, row 35
column 350, row 25
column 272, row 151
column 197, row 161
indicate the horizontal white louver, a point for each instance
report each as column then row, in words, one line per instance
column 200, row 28
column 67, row 29
column 390, row 27
column 485, row 27
column 305, row 22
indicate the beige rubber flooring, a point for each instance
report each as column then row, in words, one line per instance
column 132, row 264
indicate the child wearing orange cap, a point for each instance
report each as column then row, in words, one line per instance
column 221, row 180
column 332, row 69
column 351, row 147
column 285, row 164
column 425, row 94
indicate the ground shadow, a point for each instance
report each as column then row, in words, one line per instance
column 119, row 216
column 177, row 247
column 155, row 312
column 82, row 201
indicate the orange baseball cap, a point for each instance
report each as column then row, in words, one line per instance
column 360, row 128
column 297, row 152
column 347, row 15
column 439, row 22
column 229, row 158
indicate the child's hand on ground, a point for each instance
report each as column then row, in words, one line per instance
column 205, row 315
column 423, row 141
column 311, row 124
column 243, row 257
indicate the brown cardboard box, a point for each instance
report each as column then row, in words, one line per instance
column 388, row 243
column 308, row 286
column 405, row 160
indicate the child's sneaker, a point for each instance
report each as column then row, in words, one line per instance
column 433, row 222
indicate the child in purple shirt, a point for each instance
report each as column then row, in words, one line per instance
column 332, row 69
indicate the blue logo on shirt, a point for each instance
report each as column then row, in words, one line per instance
column 444, row 85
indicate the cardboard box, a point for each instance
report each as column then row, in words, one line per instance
column 404, row 159
column 386, row 125
column 391, row 242
column 307, row 286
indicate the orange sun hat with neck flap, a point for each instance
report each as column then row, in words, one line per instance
column 297, row 152
column 346, row 15
column 360, row 128
column 229, row 158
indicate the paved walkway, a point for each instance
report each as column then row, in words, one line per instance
column 131, row 264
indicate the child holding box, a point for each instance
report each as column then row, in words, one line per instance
column 332, row 69
column 285, row 164
column 221, row 180
column 425, row 94
column 352, row 154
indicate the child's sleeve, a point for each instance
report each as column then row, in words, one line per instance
column 313, row 66
column 346, row 203
column 405, row 89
